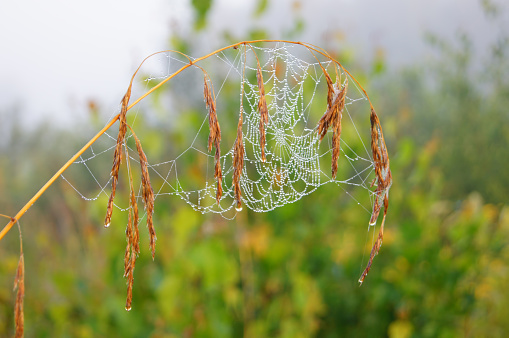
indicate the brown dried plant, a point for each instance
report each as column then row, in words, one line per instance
column 238, row 148
column 384, row 182
column 19, row 283
column 135, row 219
column 332, row 118
column 238, row 163
column 214, row 136
column 262, row 108
column 117, row 156
column 129, row 262
column 132, row 238
column 148, row 195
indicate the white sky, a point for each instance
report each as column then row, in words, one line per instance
column 56, row 55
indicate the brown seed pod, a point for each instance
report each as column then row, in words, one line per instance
column 238, row 164
column 384, row 182
column 264, row 113
column 214, row 136
column 117, row 156
column 332, row 119
column 148, row 195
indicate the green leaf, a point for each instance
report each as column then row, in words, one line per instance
column 261, row 7
column 201, row 8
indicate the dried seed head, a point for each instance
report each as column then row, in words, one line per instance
column 339, row 104
column 132, row 249
column 334, row 98
column 117, row 156
column 374, row 252
column 129, row 239
column 136, row 234
column 384, row 182
column 148, row 195
column 215, row 130
column 330, row 87
column 19, row 283
column 214, row 136
column 264, row 113
column 130, row 278
column 218, row 174
column 332, row 119
column 238, row 163
column 130, row 282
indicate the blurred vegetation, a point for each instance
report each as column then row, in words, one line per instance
column 442, row 271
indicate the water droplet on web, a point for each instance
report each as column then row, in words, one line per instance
column 292, row 168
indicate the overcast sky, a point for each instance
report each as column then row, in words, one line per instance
column 56, row 55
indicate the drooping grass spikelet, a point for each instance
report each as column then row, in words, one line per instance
column 130, row 282
column 384, row 182
column 262, row 108
column 218, row 174
column 327, row 119
column 215, row 131
column 19, row 283
column 117, row 156
column 214, row 136
column 128, row 249
column 129, row 263
column 136, row 233
column 148, row 195
column 132, row 237
column 130, row 259
column 381, row 164
column 330, row 87
column 332, row 119
column 238, row 164
column 336, row 127
column 374, row 251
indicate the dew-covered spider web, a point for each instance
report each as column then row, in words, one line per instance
column 173, row 125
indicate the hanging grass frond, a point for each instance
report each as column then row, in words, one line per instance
column 332, row 119
column 262, row 108
column 384, row 182
column 238, row 164
column 214, row 137
column 148, row 195
column 135, row 216
column 19, row 284
column 117, row 156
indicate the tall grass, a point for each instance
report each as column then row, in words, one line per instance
column 331, row 120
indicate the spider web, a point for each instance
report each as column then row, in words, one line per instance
column 296, row 163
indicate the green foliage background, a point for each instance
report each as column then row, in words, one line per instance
column 443, row 269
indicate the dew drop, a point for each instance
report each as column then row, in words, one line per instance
column 372, row 223
column 128, row 308
column 238, row 208
column 107, row 225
